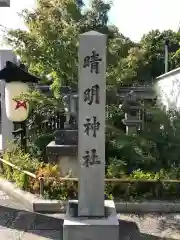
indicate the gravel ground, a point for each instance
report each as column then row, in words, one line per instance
column 16, row 223
column 150, row 226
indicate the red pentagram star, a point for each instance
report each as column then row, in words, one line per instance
column 20, row 103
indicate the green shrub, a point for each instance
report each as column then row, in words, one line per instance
column 146, row 190
column 22, row 160
column 54, row 188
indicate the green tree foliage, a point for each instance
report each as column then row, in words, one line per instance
column 145, row 61
column 156, row 147
column 50, row 47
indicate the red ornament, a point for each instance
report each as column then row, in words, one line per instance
column 20, row 103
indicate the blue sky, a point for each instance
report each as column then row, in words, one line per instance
column 132, row 17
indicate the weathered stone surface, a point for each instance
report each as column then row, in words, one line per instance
column 68, row 164
column 43, row 235
column 66, row 137
column 54, row 151
column 89, row 228
column 91, row 123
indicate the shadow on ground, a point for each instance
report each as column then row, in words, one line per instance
column 32, row 224
column 50, row 227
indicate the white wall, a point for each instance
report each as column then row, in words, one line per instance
column 168, row 89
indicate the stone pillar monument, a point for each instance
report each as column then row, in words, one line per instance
column 91, row 130
column 91, row 217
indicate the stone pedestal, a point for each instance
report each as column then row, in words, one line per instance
column 65, row 156
column 85, row 228
column 63, row 151
column 68, row 164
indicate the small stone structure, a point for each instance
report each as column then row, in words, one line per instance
column 63, row 150
column 132, row 99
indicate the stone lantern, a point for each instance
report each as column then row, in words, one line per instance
column 133, row 99
column 132, row 109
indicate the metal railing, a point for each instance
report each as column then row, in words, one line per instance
column 107, row 180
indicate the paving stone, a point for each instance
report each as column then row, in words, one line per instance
column 4, row 196
column 8, row 234
column 153, row 226
column 7, row 216
column 23, row 221
column 42, row 235
column 43, row 222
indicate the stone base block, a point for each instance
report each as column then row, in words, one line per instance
column 83, row 228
